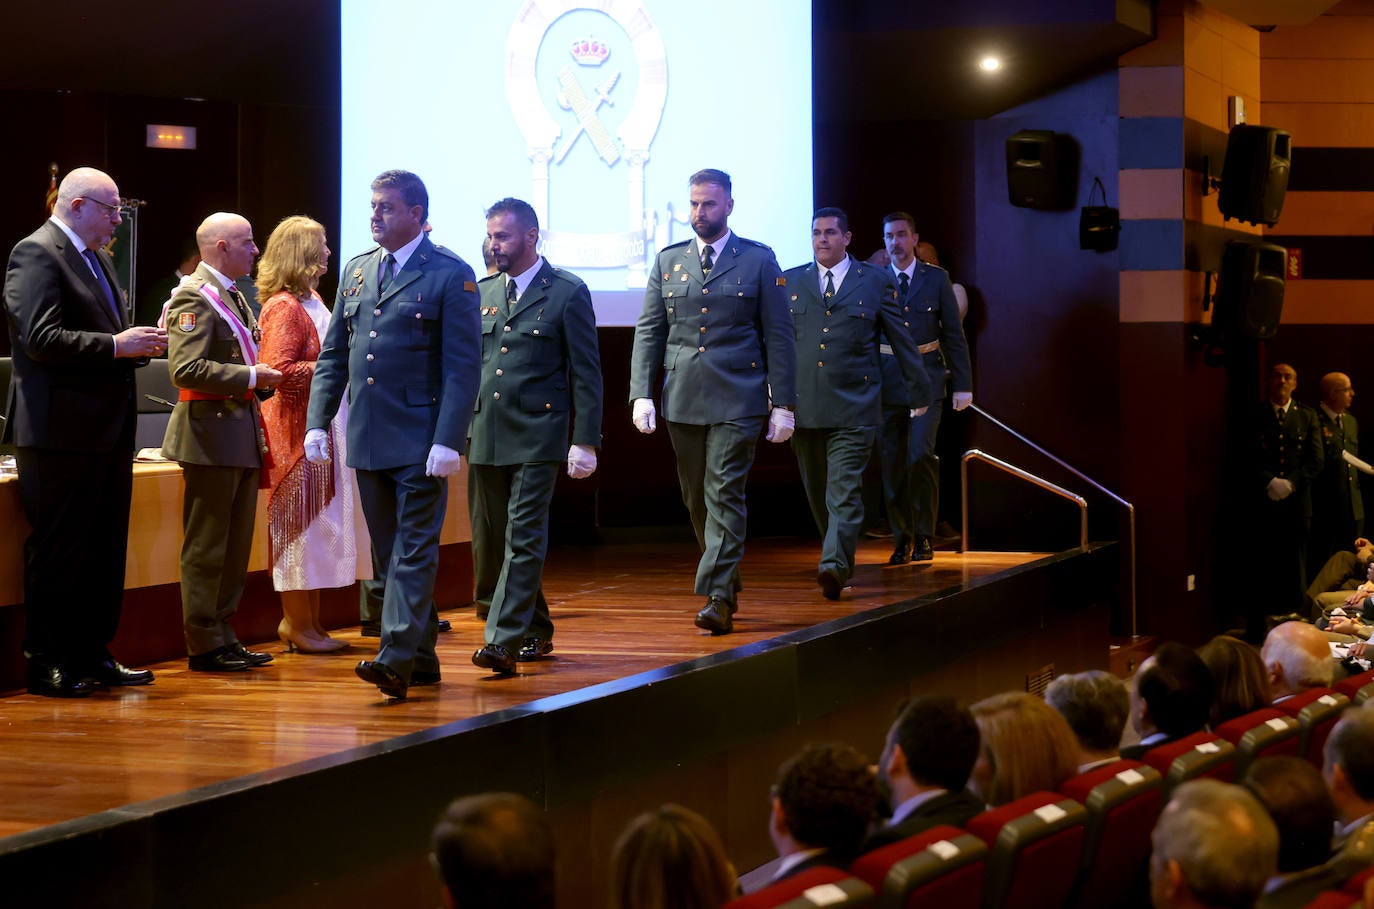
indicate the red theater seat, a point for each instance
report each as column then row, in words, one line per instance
column 1334, row 899
column 1037, row 847
column 1192, row 757
column 944, row 867
column 1264, row 733
column 1123, row 801
column 1317, row 711
column 1359, row 688
column 829, row 887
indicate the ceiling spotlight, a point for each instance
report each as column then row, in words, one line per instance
column 990, row 64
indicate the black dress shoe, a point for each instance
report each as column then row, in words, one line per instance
column 830, row 582
column 52, row 681
column 383, row 676
column 715, row 617
column 251, row 657
column 111, row 673
column 901, row 554
column 924, row 551
column 420, row 677
column 371, row 630
column 532, row 648
column 221, row 659
column 445, row 625
column 496, row 658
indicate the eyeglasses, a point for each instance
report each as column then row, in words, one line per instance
column 113, row 209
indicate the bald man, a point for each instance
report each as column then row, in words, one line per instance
column 1337, row 506
column 215, row 433
column 71, row 414
column 1297, row 658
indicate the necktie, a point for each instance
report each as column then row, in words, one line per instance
column 388, row 271
column 511, row 294
column 238, row 301
column 104, row 284
column 829, row 284
column 707, row 261
column 904, row 283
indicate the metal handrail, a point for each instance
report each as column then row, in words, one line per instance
column 974, row 454
column 1130, row 509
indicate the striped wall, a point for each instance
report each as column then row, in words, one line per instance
column 1319, row 84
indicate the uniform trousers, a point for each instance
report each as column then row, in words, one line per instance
column 219, row 507
column 832, row 463
column 509, row 509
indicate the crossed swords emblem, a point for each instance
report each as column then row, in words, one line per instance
column 572, row 97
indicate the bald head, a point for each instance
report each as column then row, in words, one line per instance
column 226, row 244
column 88, row 203
column 1337, row 392
column 1297, row 658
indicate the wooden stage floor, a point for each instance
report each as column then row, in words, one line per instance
column 619, row 610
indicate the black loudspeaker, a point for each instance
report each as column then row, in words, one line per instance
column 1254, row 177
column 1250, row 293
column 1037, row 166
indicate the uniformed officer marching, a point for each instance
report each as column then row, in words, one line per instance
column 715, row 320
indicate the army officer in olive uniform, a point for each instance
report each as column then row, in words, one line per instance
column 840, row 307
column 539, row 362
column 215, row 433
column 715, row 320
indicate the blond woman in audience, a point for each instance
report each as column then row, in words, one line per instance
column 1027, row 746
column 1242, row 685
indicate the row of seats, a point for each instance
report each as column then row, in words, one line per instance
column 1086, row 845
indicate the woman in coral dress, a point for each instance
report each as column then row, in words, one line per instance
column 310, row 507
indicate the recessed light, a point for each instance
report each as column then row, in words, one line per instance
column 990, row 64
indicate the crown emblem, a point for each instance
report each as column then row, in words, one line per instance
column 589, row 52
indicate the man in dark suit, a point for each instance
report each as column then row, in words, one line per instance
column 715, row 320
column 824, row 799
column 911, row 470
column 1337, row 505
column 71, row 417
column 215, row 433
column 539, row 360
column 1171, row 697
column 405, row 341
column 924, row 769
column 1286, row 447
column 840, row 307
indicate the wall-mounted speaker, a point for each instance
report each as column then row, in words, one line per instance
column 1254, row 178
column 1040, row 169
column 1249, row 301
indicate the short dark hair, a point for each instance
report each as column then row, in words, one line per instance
column 411, row 188
column 711, row 175
column 939, row 740
column 1178, row 690
column 496, row 849
column 900, row 216
column 1295, row 795
column 1351, row 744
column 829, row 795
column 1095, row 703
column 831, row 211
column 523, row 211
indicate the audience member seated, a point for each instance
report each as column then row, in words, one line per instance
column 1213, row 846
column 1238, row 674
column 924, row 769
column 1348, row 768
column 1296, row 658
column 824, row 800
column 1026, row 746
column 1293, row 793
column 494, row 849
column 671, row 858
column 1343, row 580
column 1171, row 698
column 1095, row 704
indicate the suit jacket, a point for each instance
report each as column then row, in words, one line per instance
column 956, row 808
column 839, row 366
column 68, row 390
column 1336, row 490
column 203, row 355
column 1291, row 449
column 931, row 312
column 537, row 365
column 1354, row 854
column 723, row 341
column 410, row 358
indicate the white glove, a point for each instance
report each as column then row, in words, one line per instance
column 780, row 424
column 442, row 461
column 917, row 412
column 316, row 446
column 1279, row 489
column 645, row 418
column 962, row 399
column 581, row 461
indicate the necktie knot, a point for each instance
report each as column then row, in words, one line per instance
column 708, row 260
column 388, row 271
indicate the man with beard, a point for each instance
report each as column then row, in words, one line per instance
column 715, row 319
column 539, row 360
